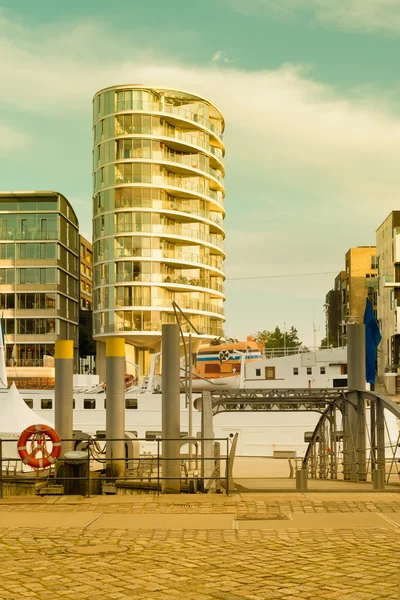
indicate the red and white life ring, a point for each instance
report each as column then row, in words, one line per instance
column 37, row 434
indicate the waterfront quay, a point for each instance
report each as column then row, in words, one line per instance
column 291, row 546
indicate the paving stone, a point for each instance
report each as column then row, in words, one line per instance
column 261, row 564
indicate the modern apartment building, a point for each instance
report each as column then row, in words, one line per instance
column 39, row 276
column 346, row 302
column 86, row 273
column 158, row 212
column 388, row 253
column 340, row 308
column 87, row 347
column 332, row 321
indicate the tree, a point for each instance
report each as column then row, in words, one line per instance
column 279, row 339
column 332, row 343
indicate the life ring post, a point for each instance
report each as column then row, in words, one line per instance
column 63, row 395
column 115, row 406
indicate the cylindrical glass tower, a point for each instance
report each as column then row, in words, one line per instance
column 158, row 210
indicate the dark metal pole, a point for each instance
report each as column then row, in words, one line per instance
column 63, row 393
column 88, row 473
column 115, row 406
column 190, row 378
column 1, row 468
column 356, row 450
column 373, row 436
column 171, row 469
column 379, row 474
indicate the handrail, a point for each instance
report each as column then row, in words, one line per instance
column 134, row 470
column 163, row 229
column 177, row 111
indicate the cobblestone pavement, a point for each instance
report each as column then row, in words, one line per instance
column 200, row 565
column 229, row 506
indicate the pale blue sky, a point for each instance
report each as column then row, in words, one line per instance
column 309, row 89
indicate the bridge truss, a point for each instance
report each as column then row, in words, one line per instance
column 356, row 438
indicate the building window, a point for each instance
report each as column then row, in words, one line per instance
column 89, row 403
column 322, row 370
column 131, row 403
column 269, row 372
column 258, row 372
column 295, row 370
column 29, row 402
column 309, row 371
column 343, row 369
column 46, row 404
column 374, row 262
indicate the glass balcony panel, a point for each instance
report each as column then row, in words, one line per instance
column 169, row 229
column 174, row 111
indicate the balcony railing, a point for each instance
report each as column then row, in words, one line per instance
column 194, row 258
column 127, row 277
column 35, row 234
column 187, row 160
column 187, row 138
column 167, row 254
column 372, row 282
column 196, row 282
column 25, row 362
column 166, row 302
column 167, row 181
column 117, row 327
column 391, row 280
column 176, row 204
column 175, row 111
column 169, row 229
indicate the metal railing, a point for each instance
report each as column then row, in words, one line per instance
column 166, row 302
column 191, row 161
column 142, row 471
column 162, row 278
column 131, row 227
column 167, row 132
column 155, row 327
column 166, row 254
column 165, row 182
column 173, row 203
column 175, row 111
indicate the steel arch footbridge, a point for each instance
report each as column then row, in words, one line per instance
column 356, row 437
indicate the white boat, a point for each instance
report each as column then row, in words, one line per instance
column 260, row 434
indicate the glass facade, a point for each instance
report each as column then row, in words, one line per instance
column 39, row 275
column 158, row 211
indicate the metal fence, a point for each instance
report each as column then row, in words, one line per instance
column 97, row 471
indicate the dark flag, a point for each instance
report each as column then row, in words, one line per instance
column 372, row 339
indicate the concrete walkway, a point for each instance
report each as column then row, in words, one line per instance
column 288, row 546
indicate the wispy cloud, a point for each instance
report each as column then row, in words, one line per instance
column 11, row 140
column 221, row 57
column 365, row 15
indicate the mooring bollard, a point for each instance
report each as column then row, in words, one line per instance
column 301, row 480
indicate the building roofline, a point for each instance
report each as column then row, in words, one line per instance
column 164, row 89
column 17, row 193
column 389, row 215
